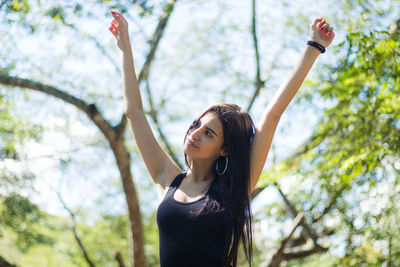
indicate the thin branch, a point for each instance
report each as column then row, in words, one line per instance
column 277, row 256
column 156, row 40
column 89, row 109
column 280, row 256
column 118, row 258
column 302, row 254
column 295, row 242
column 56, row 155
column 311, row 143
column 304, row 148
column 309, row 232
column 297, row 221
column 144, row 74
column 73, row 228
column 325, row 232
column 258, row 82
column 154, row 116
column 120, row 128
column 98, row 45
column 261, row 86
column 38, row 86
column 114, row 137
column 328, row 208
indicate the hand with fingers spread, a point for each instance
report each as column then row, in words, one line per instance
column 321, row 32
column 119, row 28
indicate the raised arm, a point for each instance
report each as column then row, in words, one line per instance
column 157, row 161
column 321, row 33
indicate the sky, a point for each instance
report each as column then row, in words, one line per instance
column 73, row 158
column 47, row 169
column 65, row 136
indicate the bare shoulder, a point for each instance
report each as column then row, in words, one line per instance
column 166, row 179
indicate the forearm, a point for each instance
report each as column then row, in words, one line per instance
column 131, row 93
column 289, row 88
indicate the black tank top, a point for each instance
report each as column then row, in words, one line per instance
column 187, row 239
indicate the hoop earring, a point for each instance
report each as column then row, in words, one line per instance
column 226, row 166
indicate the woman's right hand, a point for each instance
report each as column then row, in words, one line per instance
column 119, row 28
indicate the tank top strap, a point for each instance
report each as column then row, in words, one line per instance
column 178, row 180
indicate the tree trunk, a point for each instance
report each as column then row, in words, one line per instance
column 4, row 263
column 135, row 217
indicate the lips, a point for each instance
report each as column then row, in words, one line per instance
column 192, row 144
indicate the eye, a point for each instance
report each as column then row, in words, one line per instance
column 208, row 133
column 195, row 124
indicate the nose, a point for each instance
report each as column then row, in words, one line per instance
column 195, row 134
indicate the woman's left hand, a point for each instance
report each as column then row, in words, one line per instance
column 321, row 32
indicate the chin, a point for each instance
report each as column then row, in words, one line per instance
column 186, row 150
column 190, row 153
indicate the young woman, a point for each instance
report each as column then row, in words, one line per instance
column 205, row 212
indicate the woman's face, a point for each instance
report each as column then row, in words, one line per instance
column 205, row 138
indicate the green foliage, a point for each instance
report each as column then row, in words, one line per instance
column 13, row 133
column 101, row 239
column 145, row 7
column 151, row 241
column 64, row 12
column 354, row 152
column 50, row 249
column 23, row 217
column 21, row 8
column 363, row 127
column 44, row 255
column 15, row 6
column 17, row 214
column 356, row 141
column 13, row 130
column 57, row 13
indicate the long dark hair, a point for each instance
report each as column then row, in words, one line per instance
column 234, row 184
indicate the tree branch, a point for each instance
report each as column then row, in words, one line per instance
column 118, row 258
column 117, row 146
column 89, row 109
column 4, row 263
column 309, row 232
column 280, row 255
column 258, row 82
column 98, row 45
column 289, row 161
column 154, row 115
column 144, row 75
column 313, row 141
column 76, row 236
column 114, row 135
column 328, row 208
column 277, row 256
column 302, row 254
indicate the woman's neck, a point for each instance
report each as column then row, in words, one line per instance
column 201, row 171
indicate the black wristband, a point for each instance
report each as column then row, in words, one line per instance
column 317, row 45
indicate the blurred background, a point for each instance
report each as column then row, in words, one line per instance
column 74, row 190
